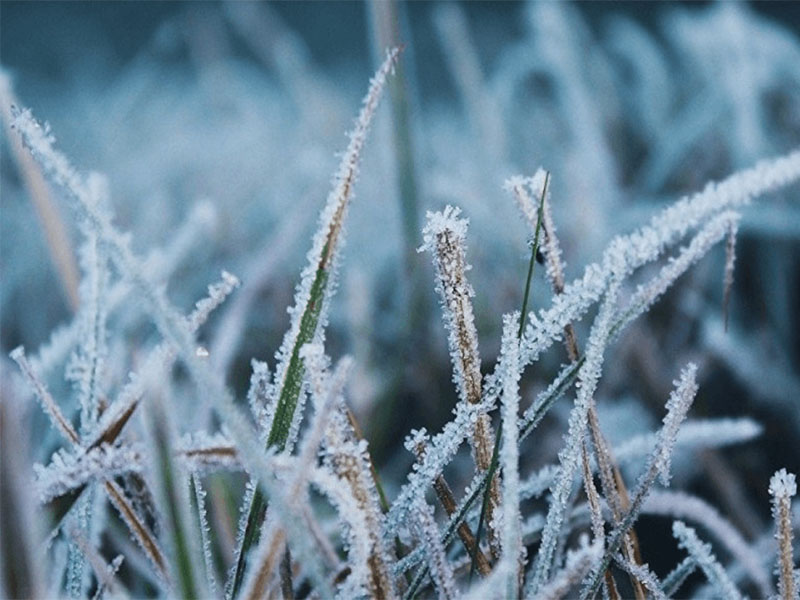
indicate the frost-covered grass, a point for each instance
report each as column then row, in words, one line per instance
column 567, row 431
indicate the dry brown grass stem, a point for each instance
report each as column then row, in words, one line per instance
column 59, row 245
column 455, row 290
column 140, row 531
column 354, row 468
column 782, row 488
column 260, row 585
column 448, row 502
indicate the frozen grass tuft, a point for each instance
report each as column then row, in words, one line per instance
column 146, row 441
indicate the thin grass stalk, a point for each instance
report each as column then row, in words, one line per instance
column 568, row 458
column 675, row 578
column 512, row 559
column 59, row 245
column 679, row 505
column 658, row 464
column 782, row 488
column 21, row 573
column 287, row 588
column 643, row 574
column 173, row 503
column 113, row 421
column 385, row 20
column 627, row 253
column 727, row 283
column 197, row 497
column 310, row 302
column 525, row 297
column 708, row 563
column 105, row 573
column 445, row 237
column 327, row 391
column 347, row 455
column 138, row 528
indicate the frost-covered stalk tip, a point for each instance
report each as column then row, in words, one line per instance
column 701, row 552
column 658, row 464
column 782, row 488
column 444, row 236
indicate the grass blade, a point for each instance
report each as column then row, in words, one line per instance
column 525, row 298
column 313, row 292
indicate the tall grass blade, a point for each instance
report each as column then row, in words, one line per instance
column 312, row 293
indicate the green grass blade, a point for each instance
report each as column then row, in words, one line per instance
column 284, row 412
column 291, row 381
column 175, row 518
column 525, row 298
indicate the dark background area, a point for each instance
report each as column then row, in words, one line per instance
column 57, row 40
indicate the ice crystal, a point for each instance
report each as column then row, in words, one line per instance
column 702, row 554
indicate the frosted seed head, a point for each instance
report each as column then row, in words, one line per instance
column 783, row 484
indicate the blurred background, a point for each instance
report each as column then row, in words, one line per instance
column 218, row 126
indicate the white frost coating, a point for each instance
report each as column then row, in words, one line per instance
column 700, row 433
column 658, row 463
column 675, row 578
column 317, row 364
column 444, row 236
column 511, row 536
column 569, row 456
column 331, row 388
column 201, row 453
column 579, row 295
column 44, row 396
column 87, row 363
column 159, row 264
column 684, row 506
column 677, row 407
column 701, row 552
column 294, row 492
column 67, row 471
column 354, row 520
column 428, row 534
column 247, row 499
column 327, row 239
column 160, row 359
column 783, row 485
column 205, row 534
column 643, row 574
column 347, row 457
column 782, row 488
column 217, row 294
column 260, row 397
column 169, row 322
column 440, row 450
column 517, row 185
column 646, row 294
column 538, row 483
column 578, row 564
column 627, row 253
